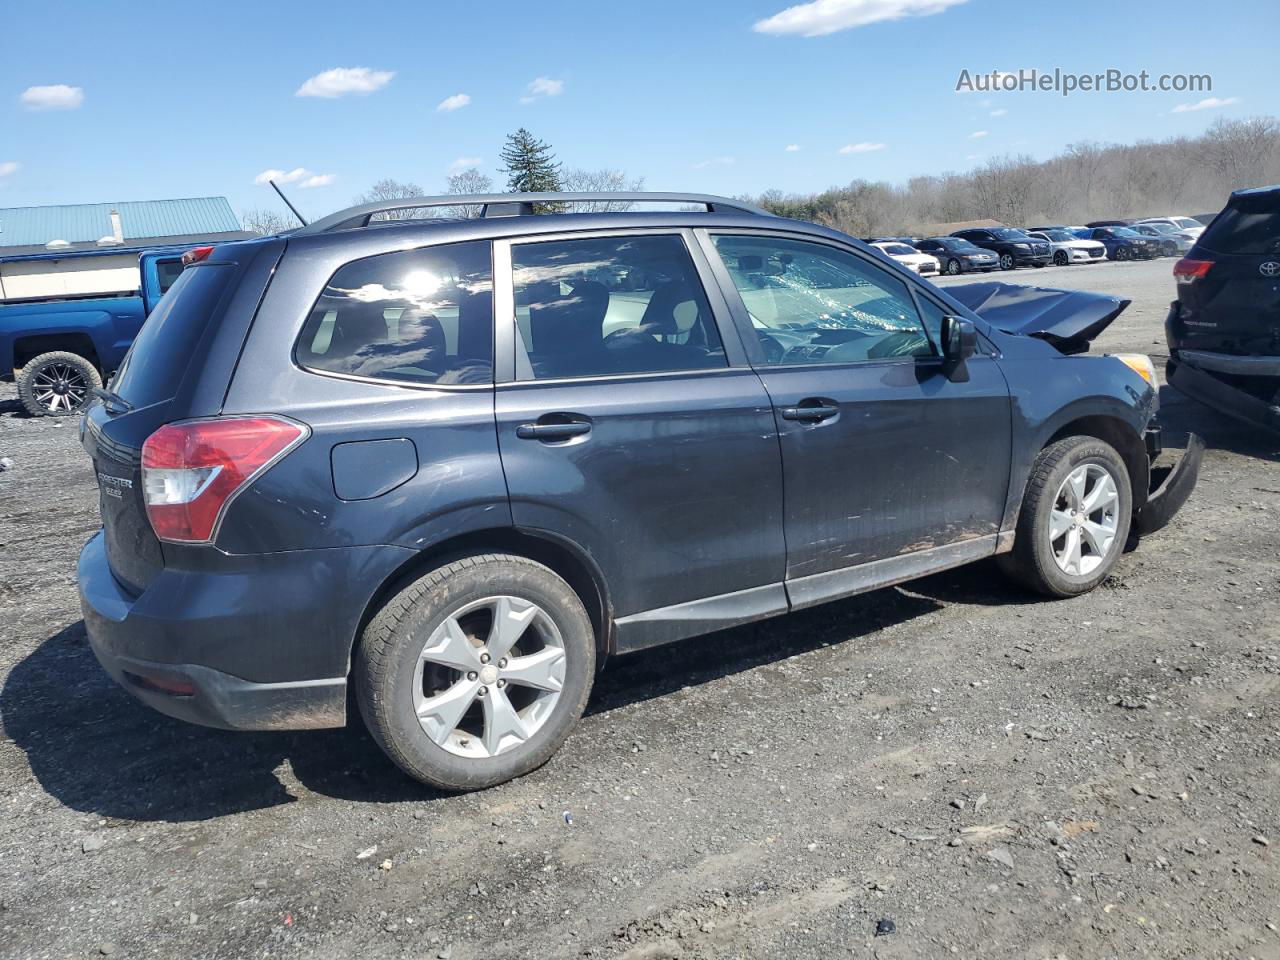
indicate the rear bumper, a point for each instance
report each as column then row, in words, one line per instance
column 259, row 643
column 1231, row 363
column 1209, row 390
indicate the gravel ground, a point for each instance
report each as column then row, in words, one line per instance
column 997, row 776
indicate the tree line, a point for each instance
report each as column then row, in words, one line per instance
column 528, row 164
column 1086, row 181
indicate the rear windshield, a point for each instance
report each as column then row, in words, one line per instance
column 155, row 364
column 1244, row 229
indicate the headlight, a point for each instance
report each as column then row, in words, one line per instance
column 1023, row 246
column 1140, row 364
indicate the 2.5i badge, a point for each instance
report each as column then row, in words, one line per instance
column 114, row 486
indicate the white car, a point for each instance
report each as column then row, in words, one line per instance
column 909, row 257
column 1185, row 224
column 1068, row 248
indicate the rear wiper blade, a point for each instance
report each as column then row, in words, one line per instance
column 112, row 401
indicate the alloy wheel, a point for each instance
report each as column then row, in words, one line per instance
column 489, row 676
column 60, row 387
column 1084, row 520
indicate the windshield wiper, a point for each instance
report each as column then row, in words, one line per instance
column 112, row 402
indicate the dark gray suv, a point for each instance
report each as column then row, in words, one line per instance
column 456, row 463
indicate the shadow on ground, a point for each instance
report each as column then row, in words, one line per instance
column 95, row 749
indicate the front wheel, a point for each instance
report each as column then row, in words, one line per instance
column 1074, row 520
column 57, row 384
column 954, row 268
column 1006, row 261
column 475, row 673
column 1124, row 253
column 1060, row 258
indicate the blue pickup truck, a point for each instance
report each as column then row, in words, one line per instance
column 59, row 349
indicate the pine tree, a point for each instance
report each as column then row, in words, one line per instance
column 530, row 165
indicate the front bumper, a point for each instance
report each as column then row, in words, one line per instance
column 1171, row 488
column 260, row 643
column 1032, row 258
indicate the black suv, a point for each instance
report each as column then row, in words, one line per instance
column 1224, row 328
column 1013, row 247
column 456, row 464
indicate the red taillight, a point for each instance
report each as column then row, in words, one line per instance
column 192, row 470
column 196, row 255
column 1187, row 270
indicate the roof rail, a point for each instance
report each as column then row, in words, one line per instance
column 514, row 205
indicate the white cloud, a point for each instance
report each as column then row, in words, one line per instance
column 864, row 147
column 450, row 104
column 282, row 176
column 977, row 134
column 465, row 163
column 59, row 96
column 999, row 113
column 9, row 168
column 821, row 17
column 792, row 148
column 341, row 81
column 541, row 87
column 715, row 162
column 318, row 180
column 1208, row 103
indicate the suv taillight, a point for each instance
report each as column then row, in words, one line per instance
column 1187, row 270
column 191, row 471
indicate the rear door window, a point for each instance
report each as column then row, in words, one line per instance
column 608, row 306
column 415, row 316
column 157, row 361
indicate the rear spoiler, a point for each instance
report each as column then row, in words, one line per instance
column 1068, row 319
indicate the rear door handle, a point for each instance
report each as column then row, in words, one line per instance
column 811, row 411
column 549, row 432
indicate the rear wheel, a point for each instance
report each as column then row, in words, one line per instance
column 475, row 673
column 1074, row 520
column 57, row 384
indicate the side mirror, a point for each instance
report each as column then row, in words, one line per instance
column 959, row 339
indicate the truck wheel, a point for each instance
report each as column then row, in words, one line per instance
column 475, row 673
column 57, row 384
column 1074, row 520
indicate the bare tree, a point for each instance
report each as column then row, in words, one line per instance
column 267, row 223
column 600, row 181
column 388, row 189
column 469, row 180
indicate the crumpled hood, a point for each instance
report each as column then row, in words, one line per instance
column 1068, row 319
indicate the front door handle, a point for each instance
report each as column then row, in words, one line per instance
column 551, row 432
column 810, row 411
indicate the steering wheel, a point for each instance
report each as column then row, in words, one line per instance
column 773, row 352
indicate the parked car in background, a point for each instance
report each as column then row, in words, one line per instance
column 909, row 257
column 1067, row 247
column 1122, row 243
column 1173, row 242
column 1012, row 247
column 448, row 463
column 59, row 349
column 1189, row 224
column 1110, row 223
column 1224, row 328
column 957, row 255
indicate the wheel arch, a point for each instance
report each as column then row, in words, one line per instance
column 564, row 558
column 27, row 348
column 1121, row 436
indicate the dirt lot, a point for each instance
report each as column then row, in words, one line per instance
column 999, row 777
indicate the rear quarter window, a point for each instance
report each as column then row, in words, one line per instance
column 156, row 363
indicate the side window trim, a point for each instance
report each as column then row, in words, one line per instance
column 738, row 308
column 511, row 359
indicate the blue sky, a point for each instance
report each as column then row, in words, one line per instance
column 199, row 99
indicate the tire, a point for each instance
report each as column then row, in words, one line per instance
column 954, row 267
column 1039, row 264
column 1061, row 259
column 1124, row 253
column 57, row 384
column 1035, row 561
column 393, row 681
column 1006, row 261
